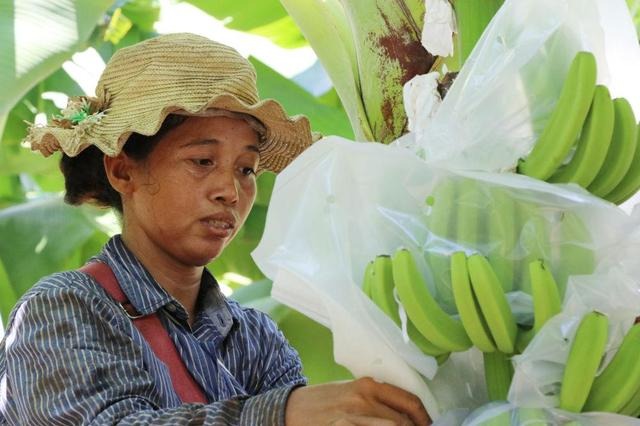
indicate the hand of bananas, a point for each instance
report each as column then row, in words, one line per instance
column 616, row 388
column 598, row 135
column 484, row 319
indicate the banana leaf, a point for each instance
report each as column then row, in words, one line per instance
column 37, row 37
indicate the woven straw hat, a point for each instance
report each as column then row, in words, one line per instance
column 181, row 73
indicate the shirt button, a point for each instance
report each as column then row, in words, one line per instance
column 171, row 308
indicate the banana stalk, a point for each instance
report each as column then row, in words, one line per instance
column 498, row 372
column 472, row 17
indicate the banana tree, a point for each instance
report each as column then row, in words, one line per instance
column 370, row 49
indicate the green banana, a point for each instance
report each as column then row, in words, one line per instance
column 493, row 303
column 502, row 228
column 593, row 144
column 382, row 285
column 620, row 379
column 587, row 348
column 498, row 372
column 632, row 408
column 546, row 298
column 534, row 241
column 441, row 227
column 467, row 222
column 367, row 278
column 621, row 151
column 566, row 120
column 631, row 181
column 422, row 309
column 573, row 255
column 467, row 304
column 546, row 301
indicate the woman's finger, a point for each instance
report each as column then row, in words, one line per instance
column 364, row 421
column 403, row 402
column 383, row 411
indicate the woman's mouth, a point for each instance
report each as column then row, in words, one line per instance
column 218, row 228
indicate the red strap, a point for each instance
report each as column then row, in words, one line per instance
column 153, row 332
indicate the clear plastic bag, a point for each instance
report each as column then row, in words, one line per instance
column 505, row 414
column 342, row 203
column 506, row 89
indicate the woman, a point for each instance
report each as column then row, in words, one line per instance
column 184, row 134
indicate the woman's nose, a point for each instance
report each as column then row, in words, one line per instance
column 224, row 188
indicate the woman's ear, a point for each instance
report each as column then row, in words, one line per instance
column 119, row 172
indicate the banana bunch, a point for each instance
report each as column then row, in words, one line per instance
column 484, row 318
column 379, row 285
column 464, row 214
column 598, row 134
column 487, row 318
column 617, row 388
column 392, row 279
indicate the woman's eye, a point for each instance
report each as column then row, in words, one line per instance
column 248, row 171
column 205, row 162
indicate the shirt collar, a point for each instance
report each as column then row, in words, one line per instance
column 147, row 296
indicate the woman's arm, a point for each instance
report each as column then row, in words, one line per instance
column 67, row 364
column 359, row 402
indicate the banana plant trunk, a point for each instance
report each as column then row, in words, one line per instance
column 369, row 49
column 388, row 54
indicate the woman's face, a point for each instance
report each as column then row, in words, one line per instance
column 195, row 190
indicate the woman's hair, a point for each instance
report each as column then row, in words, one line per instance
column 84, row 175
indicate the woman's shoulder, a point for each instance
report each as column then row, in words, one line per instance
column 63, row 298
column 66, row 281
column 69, row 290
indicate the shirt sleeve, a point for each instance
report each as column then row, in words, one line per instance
column 275, row 362
column 67, row 364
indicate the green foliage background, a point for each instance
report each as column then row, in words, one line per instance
column 39, row 234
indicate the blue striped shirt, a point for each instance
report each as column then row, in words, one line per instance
column 70, row 356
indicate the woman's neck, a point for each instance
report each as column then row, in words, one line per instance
column 179, row 280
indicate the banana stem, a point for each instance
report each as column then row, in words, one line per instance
column 498, row 372
column 472, row 18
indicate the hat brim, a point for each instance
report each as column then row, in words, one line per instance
column 285, row 137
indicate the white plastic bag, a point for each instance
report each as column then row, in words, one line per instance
column 505, row 414
column 341, row 203
column 506, row 89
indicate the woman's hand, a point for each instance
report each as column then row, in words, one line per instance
column 359, row 402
